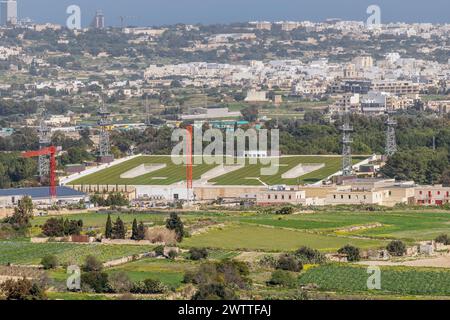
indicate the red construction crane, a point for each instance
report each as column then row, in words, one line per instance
column 46, row 151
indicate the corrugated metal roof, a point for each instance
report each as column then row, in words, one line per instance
column 41, row 192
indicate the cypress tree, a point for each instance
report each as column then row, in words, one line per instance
column 134, row 230
column 141, row 231
column 108, row 229
column 119, row 230
column 175, row 223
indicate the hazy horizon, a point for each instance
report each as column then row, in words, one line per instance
column 160, row 12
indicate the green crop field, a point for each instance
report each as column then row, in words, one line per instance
column 394, row 280
column 248, row 175
column 405, row 225
column 248, row 237
column 167, row 271
column 18, row 252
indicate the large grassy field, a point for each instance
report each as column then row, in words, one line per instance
column 345, row 278
column 246, row 176
column 248, row 237
column 20, row 252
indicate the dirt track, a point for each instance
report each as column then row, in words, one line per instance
column 435, row 262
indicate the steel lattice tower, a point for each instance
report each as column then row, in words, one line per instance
column 347, row 163
column 147, row 113
column 391, row 143
column 44, row 141
column 104, row 148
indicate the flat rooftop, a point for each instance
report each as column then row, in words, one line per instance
column 41, row 192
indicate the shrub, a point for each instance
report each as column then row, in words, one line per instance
column 285, row 210
column 282, row 278
column 268, row 262
column 351, row 252
column 396, row 248
column 189, row 277
column 97, row 281
column 22, row 289
column 159, row 251
column 214, row 291
column 91, row 263
column 228, row 273
column 149, row 286
column 443, row 238
column 55, row 227
column 309, row 256
column 49, row 262
column 120, row 282
column 161, row 235
column 174, row 223
column 198, row 254
column 172, row 254
column 289, row 263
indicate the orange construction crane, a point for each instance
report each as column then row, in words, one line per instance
column 46, row 151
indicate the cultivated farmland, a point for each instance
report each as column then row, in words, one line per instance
column 247, row 237
column 394, row 280
column 18, row 252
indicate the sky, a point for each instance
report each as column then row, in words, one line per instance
column 160, row 12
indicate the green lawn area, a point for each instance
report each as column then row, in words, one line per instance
column 345, row 278
column 248, row 237
column 21, row 252
column 176, row 173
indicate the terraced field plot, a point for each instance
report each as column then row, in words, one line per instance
column 249, row 175
column 394, row 280
column 18, row 252
column 248, row 237
column 167, row 271
column 408, row 226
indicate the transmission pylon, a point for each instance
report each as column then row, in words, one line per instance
column 104, row 148
column 147, row 113
column 347, row 141
column 391, row 142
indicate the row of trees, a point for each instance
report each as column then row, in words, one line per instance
column 118, row 230
column 112, row 199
